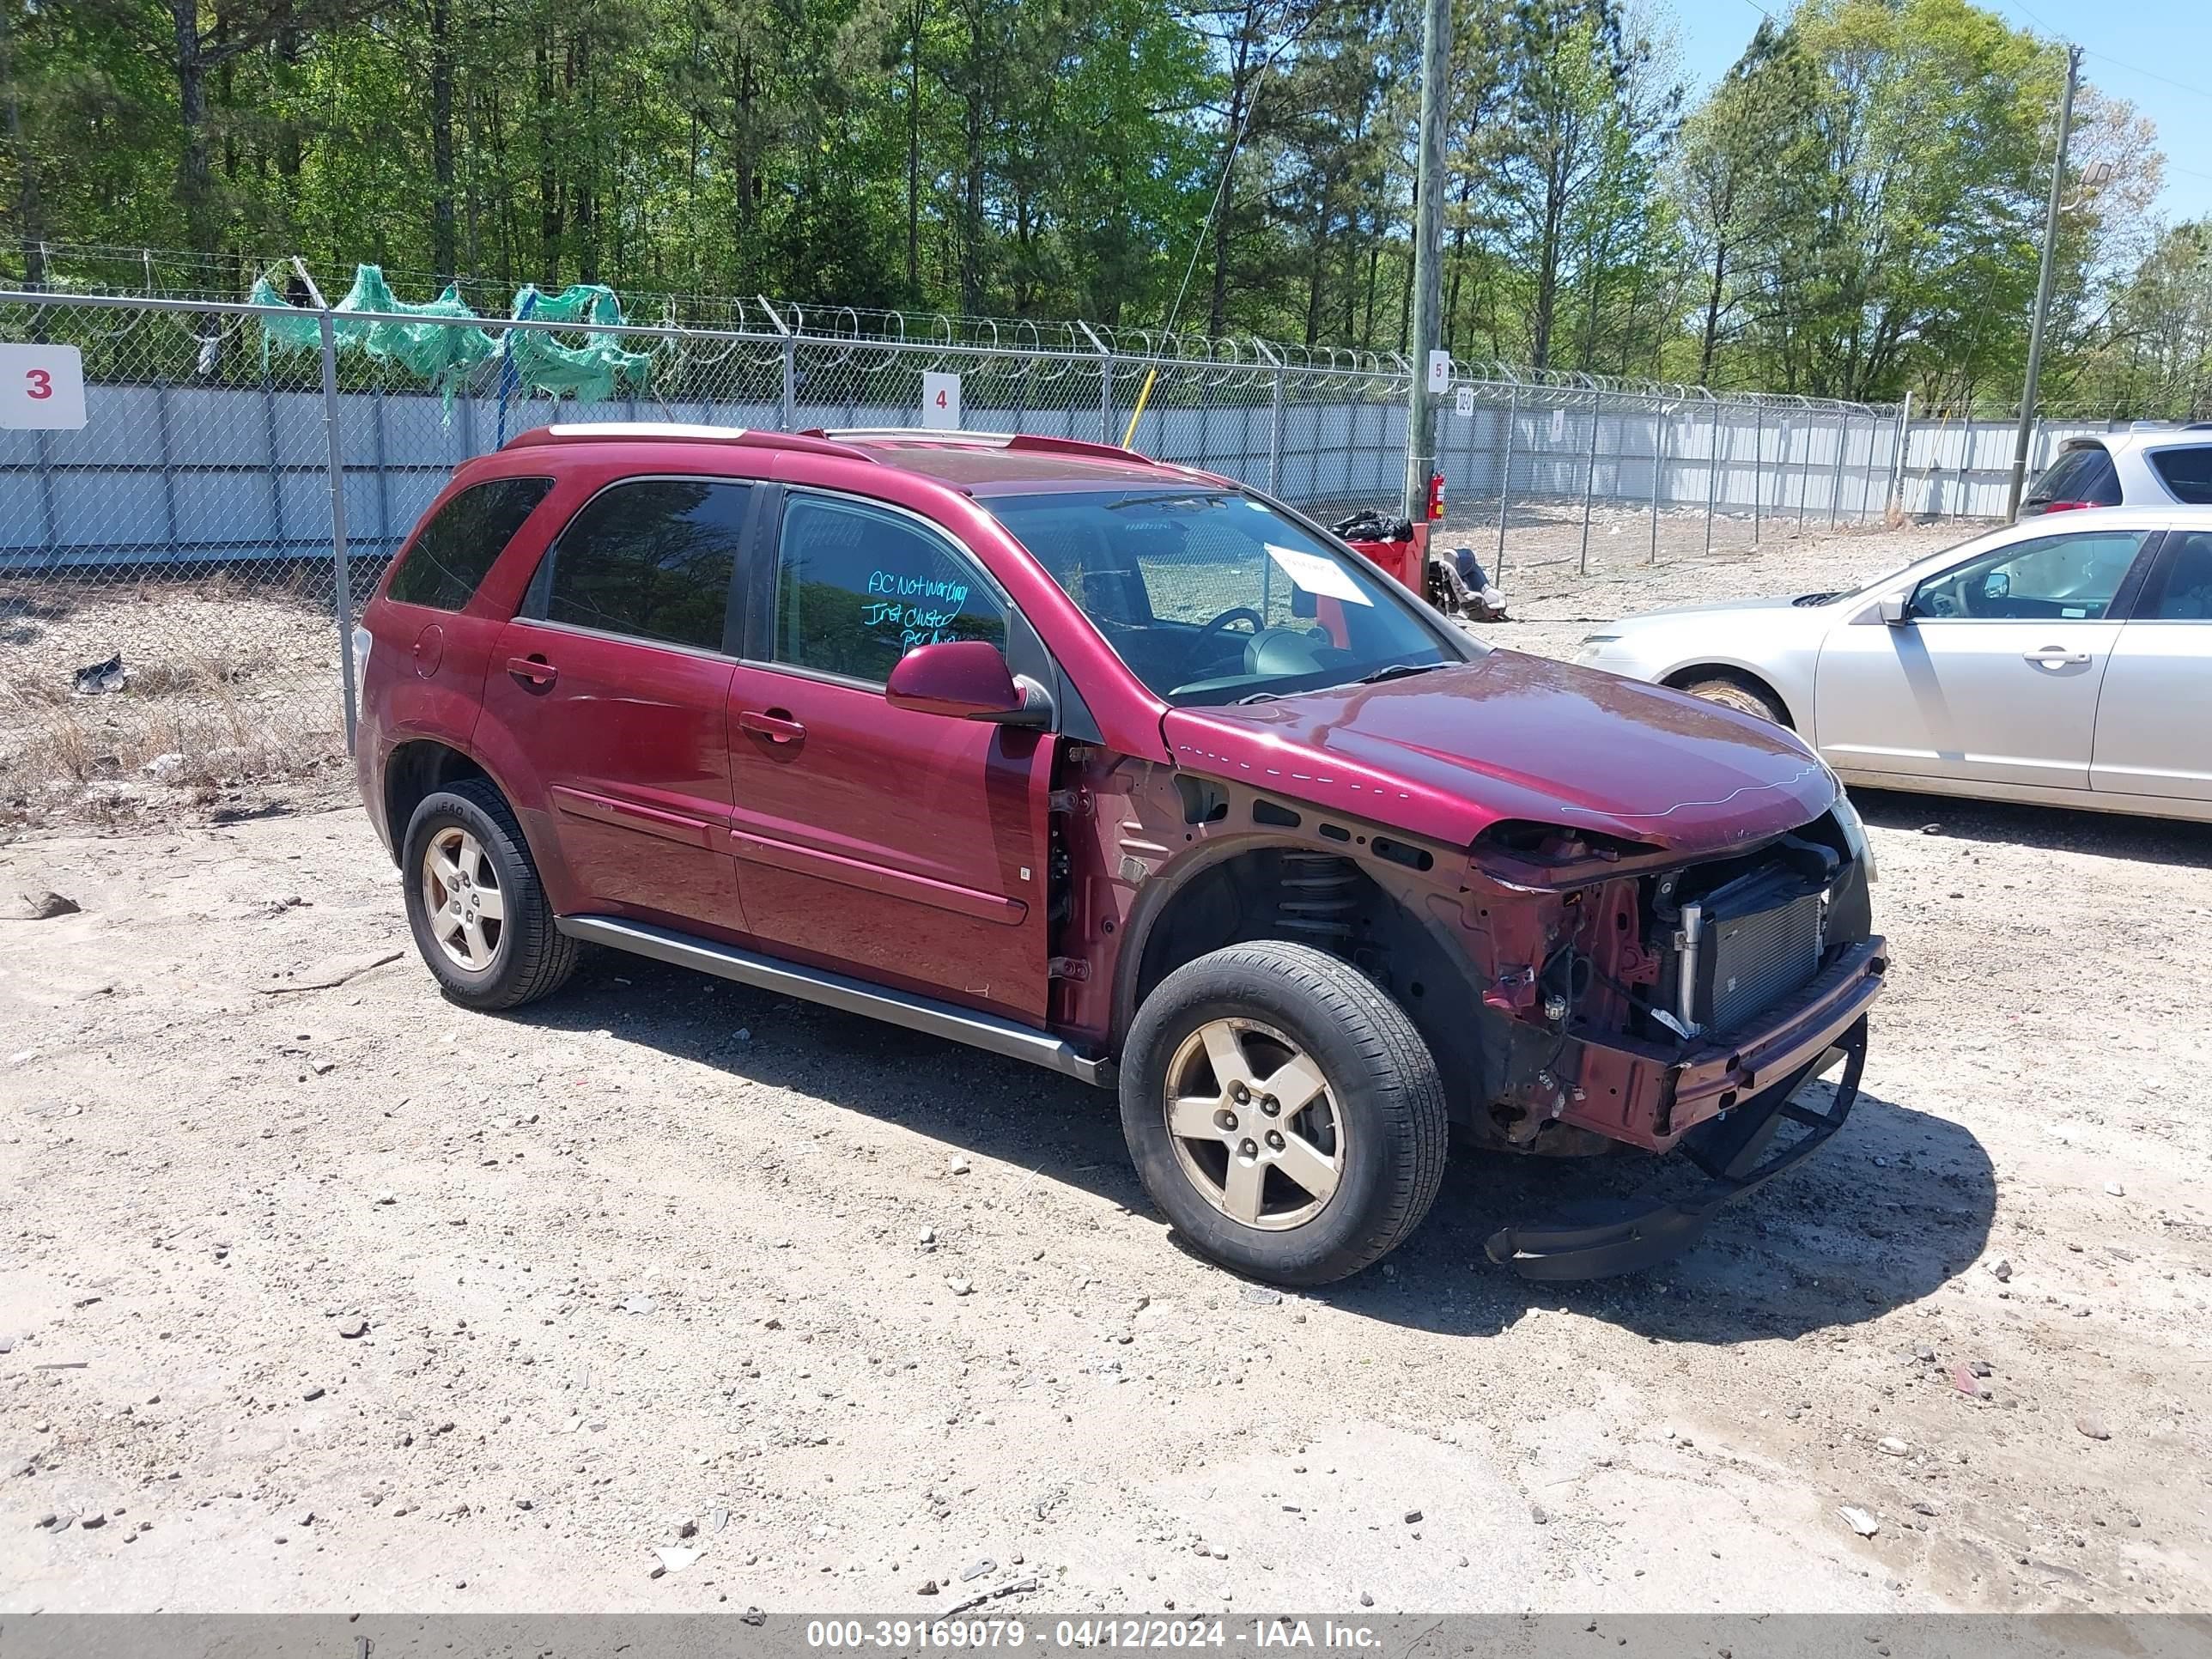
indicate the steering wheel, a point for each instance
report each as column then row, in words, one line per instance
column 1222, row 623
column 1235, row 613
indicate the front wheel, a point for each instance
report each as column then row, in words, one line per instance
column 1732, row 691
column 1283, row 1112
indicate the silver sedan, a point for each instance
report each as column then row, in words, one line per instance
column 2065, row 661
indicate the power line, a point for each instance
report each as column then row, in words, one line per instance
column 2134, row 69
column 2102, row 57
column 2031, row 17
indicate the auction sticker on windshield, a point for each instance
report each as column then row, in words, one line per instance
column 1316, row 574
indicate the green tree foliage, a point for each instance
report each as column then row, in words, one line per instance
column 1576, row 172
column 1852, row 211
column 2154, row 356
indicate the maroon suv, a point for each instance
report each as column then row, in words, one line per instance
column 1127, row 770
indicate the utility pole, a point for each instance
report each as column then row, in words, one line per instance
column 2043, row 287
column 1428, row 259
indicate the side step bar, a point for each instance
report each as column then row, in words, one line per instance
column 1000, row 1036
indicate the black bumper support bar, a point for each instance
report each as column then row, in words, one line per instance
column 1622, row 1236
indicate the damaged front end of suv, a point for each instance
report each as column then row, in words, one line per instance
column 1662, row 954
column 1673, row 1007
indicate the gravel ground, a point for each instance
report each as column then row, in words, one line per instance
column 316, row 1292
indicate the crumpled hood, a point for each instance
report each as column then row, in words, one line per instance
column 1448, row 753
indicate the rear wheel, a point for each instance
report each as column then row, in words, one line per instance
column 478, row 912
column 1283, row 1111
column 1740, row 693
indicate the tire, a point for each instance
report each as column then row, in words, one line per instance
column 1377, row 1123
column 1740, row 693
column 499, row 961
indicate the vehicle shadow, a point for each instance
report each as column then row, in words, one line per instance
column 1899, row 1203
column 2053, row 828
column 969, row 1100
column 1896, row 1206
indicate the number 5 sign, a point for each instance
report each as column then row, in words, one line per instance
column 41, row 388
column 940, row 400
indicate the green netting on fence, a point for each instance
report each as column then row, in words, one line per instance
column 441, row 353
column 437, row 351
column 593, row 371
column 295, row 333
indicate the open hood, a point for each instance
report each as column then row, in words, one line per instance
column 1448, row 753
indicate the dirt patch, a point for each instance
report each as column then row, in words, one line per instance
column 863, row 1311
column 1554, row 600
column 226, row 692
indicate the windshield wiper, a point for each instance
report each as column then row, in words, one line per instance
column 1397, row 671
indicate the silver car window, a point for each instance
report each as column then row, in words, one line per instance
column 2186, row 471
column 2185, row 595
column 2051, row 579
column 2082, row 477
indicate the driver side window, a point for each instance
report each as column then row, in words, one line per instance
column 858, row 587
column 2051, row 579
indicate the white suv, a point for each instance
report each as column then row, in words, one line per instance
column 2150, row 466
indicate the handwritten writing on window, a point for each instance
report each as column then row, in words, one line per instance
column 924, row 610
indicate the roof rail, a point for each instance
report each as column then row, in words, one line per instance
column 861, row 434
column 1081, row 447
column 813, row 443
column 1033, row 442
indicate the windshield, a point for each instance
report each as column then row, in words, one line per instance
column 1212, row 597
column 1890, row 583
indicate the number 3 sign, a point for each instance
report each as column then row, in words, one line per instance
column 41, row 388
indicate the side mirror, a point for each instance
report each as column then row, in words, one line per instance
column 1894, row 611
column 967, row 680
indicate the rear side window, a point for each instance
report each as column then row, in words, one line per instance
column 2186, row 593
column 2186, row 472
column 2085, row 475
column 462, row 543
column 858, row 588
column 653, row 560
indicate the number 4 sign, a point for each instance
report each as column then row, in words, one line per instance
column 41, row 388
column 940, row 400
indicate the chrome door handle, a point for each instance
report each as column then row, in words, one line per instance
column 2052, row 655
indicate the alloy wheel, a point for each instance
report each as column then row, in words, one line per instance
column 462, row 898
column 1254, row 1125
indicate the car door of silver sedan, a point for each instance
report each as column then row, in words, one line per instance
column 1990, row 676
column 2154, row 717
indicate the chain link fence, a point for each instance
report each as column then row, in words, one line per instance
column 231, row 498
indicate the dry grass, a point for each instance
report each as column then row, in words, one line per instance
column 231, row 689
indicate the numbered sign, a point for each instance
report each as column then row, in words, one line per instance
column 1464, row 403
column 1440, row 374
column 41, row 388
column 940, row 400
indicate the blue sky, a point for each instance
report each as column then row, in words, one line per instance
column 2157, row 54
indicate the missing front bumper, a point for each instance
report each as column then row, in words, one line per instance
column 1736, row 1151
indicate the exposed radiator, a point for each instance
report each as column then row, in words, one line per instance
column 1748, row 944
column 1760, row 958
